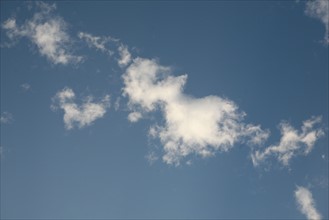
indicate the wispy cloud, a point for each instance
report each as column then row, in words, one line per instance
column 306, row 203
column 26, row 86
column 151, row 157
column 319, row 9
column 6, row 118
column 98, row 42
column 125, row 56
column 47, row 31
column 79, row 115
column 199, row 126
column 108, row 45
column 292, row 142
column 117, row 103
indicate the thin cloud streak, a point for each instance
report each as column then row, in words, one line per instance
column 306, row 203
column 97, row 42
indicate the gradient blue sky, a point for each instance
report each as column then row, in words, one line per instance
column 270, row 58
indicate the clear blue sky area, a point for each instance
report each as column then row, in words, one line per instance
column 269, row 58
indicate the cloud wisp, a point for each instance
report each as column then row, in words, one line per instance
column 47, row 31
column 26, row 87
column 319, row 9
column 292, row 142
column 125, row 56
column 98, row 42
column 199, row 126
column 79, row 115
column 6, row 118
column 306, row 203
column 108, row 45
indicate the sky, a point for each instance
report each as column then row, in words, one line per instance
column 164, row 109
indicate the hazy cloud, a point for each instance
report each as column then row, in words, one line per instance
column 292, row 142
column 125, row 56
column 6, row 118
column 26, row 86
column 47, row 31
column 319, row 9
column 199, row 126
column 306, row 203
column 117, row 104
column 79, row 115
column 151, row 157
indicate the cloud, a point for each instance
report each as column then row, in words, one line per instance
column 117, row 104
column 6, row 118
column 104, row 43
column 134, row 116
column 319, row 9
column 151, row 157
column 125, row 56
column 192, row 125
column 47, row 32
column 26, row 86
column 292, row 142
column 97, row 42
column 306, row 203
column 79, row 115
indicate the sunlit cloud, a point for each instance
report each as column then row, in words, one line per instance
column 306, row 203
column 47, row 31
column 191, row 125
column 82, row 115
column 292, row 142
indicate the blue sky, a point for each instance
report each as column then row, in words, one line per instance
column 166, row 109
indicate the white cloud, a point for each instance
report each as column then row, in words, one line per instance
column 103, row 44
column 11, row 27
column 199, row 126
column 26, row 86
column 306, row 203
column 319, row 9
column 6, row 118
column 97, row 42
column 47, row 32
column 292, row 142
column 134, row 116
column 125, row 56
column 79, row 115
